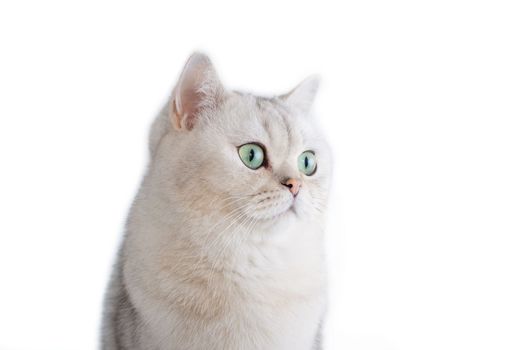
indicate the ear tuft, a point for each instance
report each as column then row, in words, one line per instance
column 198, row 88
column 302, row 96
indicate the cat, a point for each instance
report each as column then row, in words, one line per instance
column 223, row 246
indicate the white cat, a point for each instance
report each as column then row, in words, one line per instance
column 224, row 241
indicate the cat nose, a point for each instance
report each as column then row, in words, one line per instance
column 293, row 185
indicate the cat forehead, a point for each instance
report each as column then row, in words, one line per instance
column 266, row 119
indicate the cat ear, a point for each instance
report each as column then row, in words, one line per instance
column 198, row 89
column 303, row 95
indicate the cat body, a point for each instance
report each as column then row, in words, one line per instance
column 218, row 255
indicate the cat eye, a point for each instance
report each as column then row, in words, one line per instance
column 252, row 155
column 307, row 163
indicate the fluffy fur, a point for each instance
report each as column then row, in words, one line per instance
column 217, row 255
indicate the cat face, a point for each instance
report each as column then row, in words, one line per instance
column 253, row 159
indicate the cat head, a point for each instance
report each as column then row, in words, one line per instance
column 249, row 158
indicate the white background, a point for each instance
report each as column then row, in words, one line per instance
column 422, row 101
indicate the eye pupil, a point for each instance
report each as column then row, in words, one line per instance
column 252, row 155
column 306, row 162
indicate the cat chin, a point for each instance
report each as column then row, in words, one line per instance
column 282, row 215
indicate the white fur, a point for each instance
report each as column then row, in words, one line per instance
column 219, row 256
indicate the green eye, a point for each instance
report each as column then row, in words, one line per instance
column 307, row 163
column 252, row 155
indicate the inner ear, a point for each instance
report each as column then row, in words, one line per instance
column 186, row 105
column 198, row 88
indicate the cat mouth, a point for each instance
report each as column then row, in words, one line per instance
column 272, row 207
column 290, row 210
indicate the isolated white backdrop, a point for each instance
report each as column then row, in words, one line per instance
column 423, row 103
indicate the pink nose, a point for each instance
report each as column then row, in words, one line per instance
column 293, row 185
